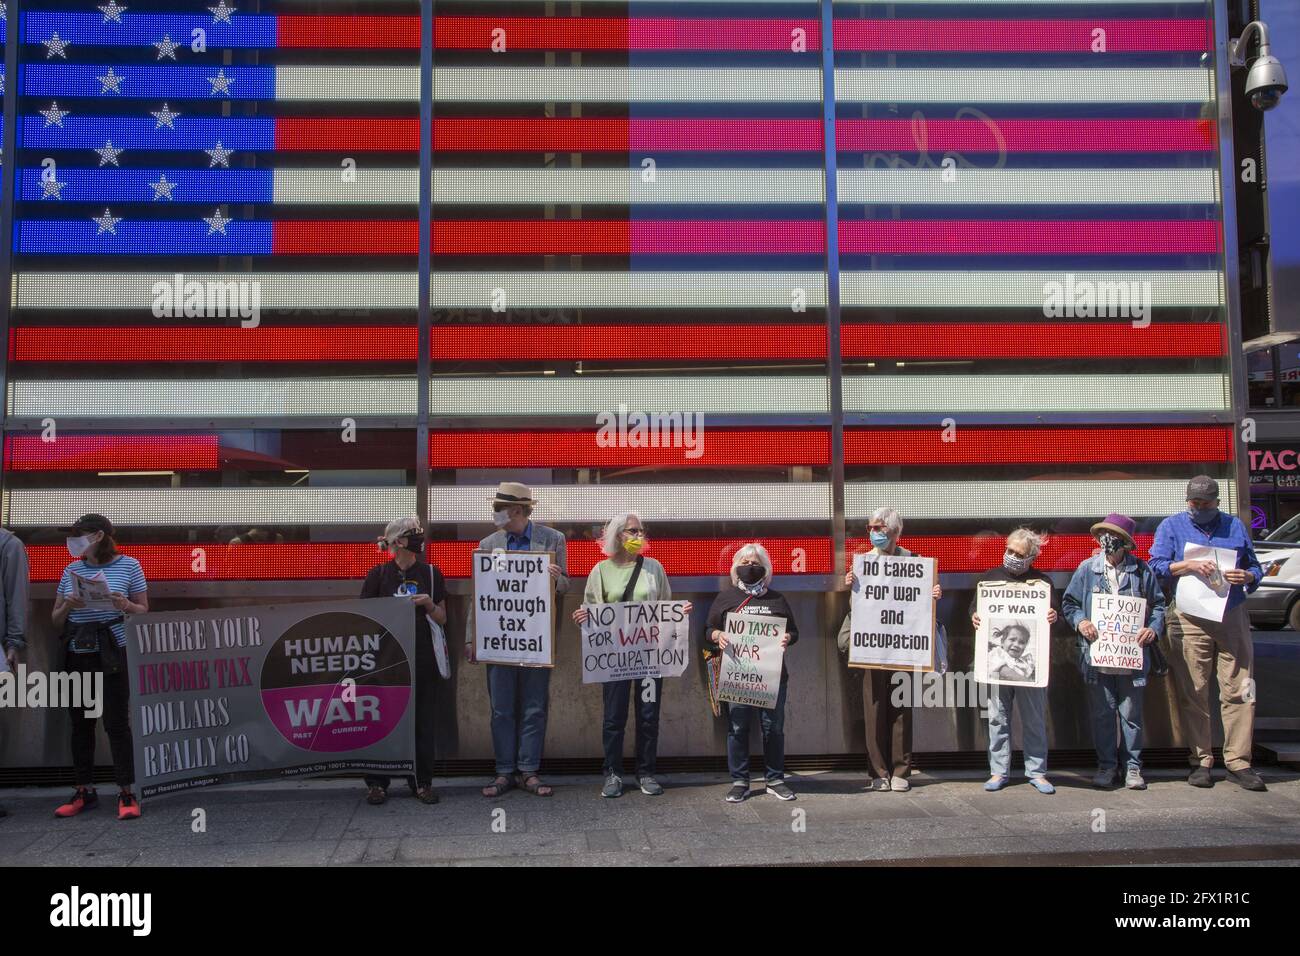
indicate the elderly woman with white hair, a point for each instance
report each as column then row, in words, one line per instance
column 888, row 725
column 750, row 592
column 409, row 575
column 1023, row 546
column 628, row 575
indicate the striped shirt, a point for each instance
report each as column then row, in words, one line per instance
column 124, row 576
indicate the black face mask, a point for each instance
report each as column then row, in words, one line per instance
column 415, row 543
column 751, row 574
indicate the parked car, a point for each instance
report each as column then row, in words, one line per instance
column 1279, row 554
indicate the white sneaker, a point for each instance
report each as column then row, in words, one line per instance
column 899, row 784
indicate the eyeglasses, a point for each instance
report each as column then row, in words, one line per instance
column 876, row 527
column 634, row 532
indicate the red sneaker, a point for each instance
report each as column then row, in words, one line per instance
column 128, row 807
column 82, row 799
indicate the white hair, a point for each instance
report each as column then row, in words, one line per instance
column 398, row 528
column 753, row 549
column 891, row 519
column 609, row 537
column 1029, row 538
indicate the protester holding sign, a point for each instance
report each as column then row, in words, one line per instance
column 409, row 575
column 888, row 726
column 1203, row 647
column 1115, row 599
column 94, row 642
column 750, row 594
column 520, row 695
column 628, row 575
column 14, row 578
column 1017, row 566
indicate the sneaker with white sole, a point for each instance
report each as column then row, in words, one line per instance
column 778, row 789
column 899, row 784
column 613, row 786
column 738, row 793
column 1133, row 779
column 650, row 786
column 880, row 784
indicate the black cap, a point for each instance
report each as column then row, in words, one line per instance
column 89, row 524
column 1203, row 487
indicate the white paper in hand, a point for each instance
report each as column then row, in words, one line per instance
column 1201, row 598
column 93, row 590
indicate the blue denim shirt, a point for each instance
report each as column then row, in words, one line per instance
column 1226, row 531
column 1136, row 579
column 522, row 541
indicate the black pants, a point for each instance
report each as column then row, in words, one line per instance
column 117, row 724
column 647, row 725
column 889, row 728
column 426, row 677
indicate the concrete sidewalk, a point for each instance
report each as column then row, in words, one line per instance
column 946, row 819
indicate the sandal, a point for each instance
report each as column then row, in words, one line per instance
column 376, row 796
column 497, row 787
column 533, row 784
column 426, row 795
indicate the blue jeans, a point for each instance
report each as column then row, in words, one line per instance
column 519, row 699
column 647, row 725
column 1033, row 724
column 772, row 724
column 1111, row 696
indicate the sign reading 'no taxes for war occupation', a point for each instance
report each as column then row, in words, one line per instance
column 228, row 695
column 1119, row 619
column 635, row 640
column 513, row 599
column 751, row 661
column 892, row 613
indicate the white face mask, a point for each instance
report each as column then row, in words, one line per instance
column 501, row 518
column 79, row 546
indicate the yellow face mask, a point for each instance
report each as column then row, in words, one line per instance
column 633, row 545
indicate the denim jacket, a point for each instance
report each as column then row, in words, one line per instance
column 1136, row 579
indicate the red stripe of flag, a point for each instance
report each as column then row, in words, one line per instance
column 324, row 133
column 681, row 557
column 345, row 237
column 1005, row 340
column 620, row 135
column 617, row 33
column 622, row 237
column 186, row 344
column 596, row 343
column 1028, row 237
column 359, row 32
column 1033, row 446
column 986, row 135
column 1023, row 36
column 111, row 453
column 958, row 554
column 551, row 448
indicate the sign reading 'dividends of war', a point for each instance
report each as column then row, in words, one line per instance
column 234, row 694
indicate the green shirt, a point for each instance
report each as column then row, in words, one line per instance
column 614, row 578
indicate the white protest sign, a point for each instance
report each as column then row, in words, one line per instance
column 1118, row 619
column 892, row 613
column 93, row 590
column 513, row 599
column 635, row 640
column 1013, row 645
column 751, row 661
column 1197, row 596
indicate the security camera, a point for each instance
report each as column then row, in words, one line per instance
column 1266, row 81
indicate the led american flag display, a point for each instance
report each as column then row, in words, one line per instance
column 1007, row 219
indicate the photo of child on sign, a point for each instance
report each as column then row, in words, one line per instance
column 1013, row 642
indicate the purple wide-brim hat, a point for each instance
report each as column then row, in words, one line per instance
column 1122, row 525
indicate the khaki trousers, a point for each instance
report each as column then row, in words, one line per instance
column 1223, row 649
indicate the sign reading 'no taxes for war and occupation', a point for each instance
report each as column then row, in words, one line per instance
column 892, row 613
column 635, row 640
